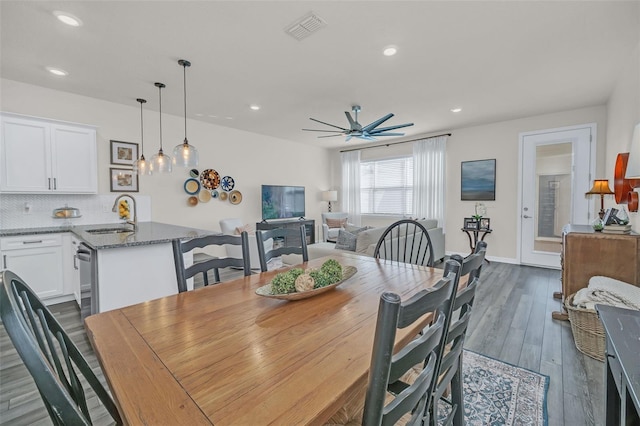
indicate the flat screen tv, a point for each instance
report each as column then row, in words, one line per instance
column 281, row 202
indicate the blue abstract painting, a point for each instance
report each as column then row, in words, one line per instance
column 478, row 180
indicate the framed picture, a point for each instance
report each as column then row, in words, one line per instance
column 123, row 153
column 470, row 223
column 123, row 180
column 485, row 224
column 478, row 180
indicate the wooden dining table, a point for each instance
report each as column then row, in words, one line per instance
column 224, row 355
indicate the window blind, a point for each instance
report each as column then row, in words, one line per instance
column 386, row 186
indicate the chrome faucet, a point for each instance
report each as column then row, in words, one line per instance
column 133, row 222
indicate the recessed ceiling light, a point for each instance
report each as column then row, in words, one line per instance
column 57, row 71
column 255, row 107
column 198, row 114
column 212, row 116
column 390, row 51
column 456, row 109
column 68, row 19
column 229, row 118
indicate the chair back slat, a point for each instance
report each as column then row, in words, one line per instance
column 426, row 348
column 53, row 360
column 183, row 273
column 294, row 242
column 405, row 241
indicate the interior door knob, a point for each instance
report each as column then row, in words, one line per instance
column 526, row 217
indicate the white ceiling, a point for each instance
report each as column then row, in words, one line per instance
column 496, row 60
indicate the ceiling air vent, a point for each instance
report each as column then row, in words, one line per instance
column 305, row 26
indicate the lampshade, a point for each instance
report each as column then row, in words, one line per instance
column 185, row 155
column 600, row 187
column 141, row 166
column 330, row 196
column 633, row 165
column 160, row 163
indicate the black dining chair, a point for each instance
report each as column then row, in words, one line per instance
column 53, row 360
column 209, row 263
column 450, row 372
column 388, row 398
column 285, row 241
column 405, row 241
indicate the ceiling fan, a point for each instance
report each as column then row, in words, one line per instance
column 356, row 130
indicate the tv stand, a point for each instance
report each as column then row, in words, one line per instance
column 309, row 225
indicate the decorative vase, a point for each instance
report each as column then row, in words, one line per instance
column 597, row 224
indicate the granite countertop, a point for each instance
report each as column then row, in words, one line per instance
column 146, row 233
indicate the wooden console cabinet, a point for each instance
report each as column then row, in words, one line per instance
column 309, row 227
column 586, row 253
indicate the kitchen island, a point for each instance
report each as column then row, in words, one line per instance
column 124, row 267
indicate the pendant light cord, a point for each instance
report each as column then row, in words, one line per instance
column 184, row 68
column 160, row 93
column 141, row 128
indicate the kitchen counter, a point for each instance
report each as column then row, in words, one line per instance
column 147, row 233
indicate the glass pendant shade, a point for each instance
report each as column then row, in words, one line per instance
column 141, row 166
column 185, row 155
column 160, row 163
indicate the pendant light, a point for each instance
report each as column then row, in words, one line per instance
column 141, row 166
column 185, row 155
column 160, row 163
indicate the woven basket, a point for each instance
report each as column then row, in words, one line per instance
column 587, row 330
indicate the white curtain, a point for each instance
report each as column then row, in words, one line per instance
column 351, row 185
column 428, row 178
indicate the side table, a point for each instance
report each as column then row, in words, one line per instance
column 476, row 235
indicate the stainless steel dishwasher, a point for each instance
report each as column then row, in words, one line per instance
column 88, row 263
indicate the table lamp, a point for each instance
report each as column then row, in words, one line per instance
column 601, row 188
column 330, row 196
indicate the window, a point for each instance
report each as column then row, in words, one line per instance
column 386, row 186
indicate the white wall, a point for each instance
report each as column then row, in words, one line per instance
column 623, row 113
column 499, row 141
column 251, row 159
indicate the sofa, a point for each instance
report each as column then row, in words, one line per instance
column 367, row 239
column 228, row 227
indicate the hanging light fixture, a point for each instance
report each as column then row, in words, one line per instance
column 185, row 155
column 160, row 163
column 141, row 166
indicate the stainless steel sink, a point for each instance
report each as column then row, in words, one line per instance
column 109, row 231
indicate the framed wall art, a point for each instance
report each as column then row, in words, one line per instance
column 123, row 153
column 123, row 180
column 485, row 224
column 478, row 180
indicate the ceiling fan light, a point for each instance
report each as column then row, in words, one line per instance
column 185, row 155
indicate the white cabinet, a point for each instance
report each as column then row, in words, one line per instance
column 38, row 260
column 45, row 156
column 71, row 265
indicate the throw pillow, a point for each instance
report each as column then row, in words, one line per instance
column 336, row 223
column 346, row 241
column 356, row 229
column 248, row 227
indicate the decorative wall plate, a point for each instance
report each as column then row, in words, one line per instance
column 204, row 196
column 191, row 186
column 227, row 183
column 223, row 196
column 214, row 193
column 265, row 290
column 194, row 173
column 192, row 201
column 210, row 179
column 235, row 197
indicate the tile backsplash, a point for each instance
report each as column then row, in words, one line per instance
column 36, row 210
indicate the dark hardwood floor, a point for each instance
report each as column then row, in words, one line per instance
column 511, row 322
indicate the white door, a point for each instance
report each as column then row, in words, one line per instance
column 555, row 173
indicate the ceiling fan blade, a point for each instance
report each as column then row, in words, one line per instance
column 327, row 124
column 348, row 138
column 353, row 124
column 387, row 134
column 366, row 137
column 316, row 130
column 330, row 136
column 384, row 129
column 376, row 123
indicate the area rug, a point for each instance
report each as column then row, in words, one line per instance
column 497, row 393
